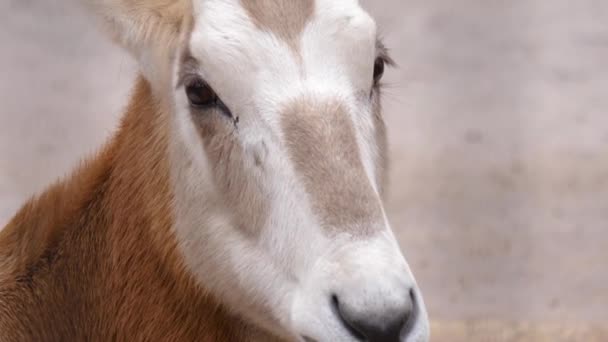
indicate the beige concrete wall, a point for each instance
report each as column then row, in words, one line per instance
column 498, row 118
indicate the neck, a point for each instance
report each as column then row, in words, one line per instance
column 107, row 250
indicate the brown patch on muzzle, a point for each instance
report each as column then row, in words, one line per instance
column 322, row 144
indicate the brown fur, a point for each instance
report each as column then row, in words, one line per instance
column 93, row 258
column 323, row 132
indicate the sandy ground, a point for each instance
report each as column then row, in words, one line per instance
column 499, row 134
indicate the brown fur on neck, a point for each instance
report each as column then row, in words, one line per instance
column 93, row 258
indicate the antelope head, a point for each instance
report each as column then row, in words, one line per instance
column 278, row 160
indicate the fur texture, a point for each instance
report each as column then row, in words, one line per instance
column 251, row 215
column 93, row 258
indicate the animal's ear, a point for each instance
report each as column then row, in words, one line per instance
column 141, row 26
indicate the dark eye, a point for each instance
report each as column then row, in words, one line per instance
column 200, row 94
column 378, row 69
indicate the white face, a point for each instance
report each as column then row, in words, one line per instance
column 278, row 148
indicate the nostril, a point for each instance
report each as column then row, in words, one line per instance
column 411, row 316
column 378, row 326
column 335, row 304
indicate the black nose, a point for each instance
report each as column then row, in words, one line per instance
column 378, row 326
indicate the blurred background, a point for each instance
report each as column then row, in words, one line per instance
column 498, row 123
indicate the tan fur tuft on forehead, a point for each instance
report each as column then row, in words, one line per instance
column 148, row 24
column 286, row 19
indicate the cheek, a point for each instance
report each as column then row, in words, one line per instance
column 236, row 173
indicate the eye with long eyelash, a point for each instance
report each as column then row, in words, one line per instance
column 379, row 65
